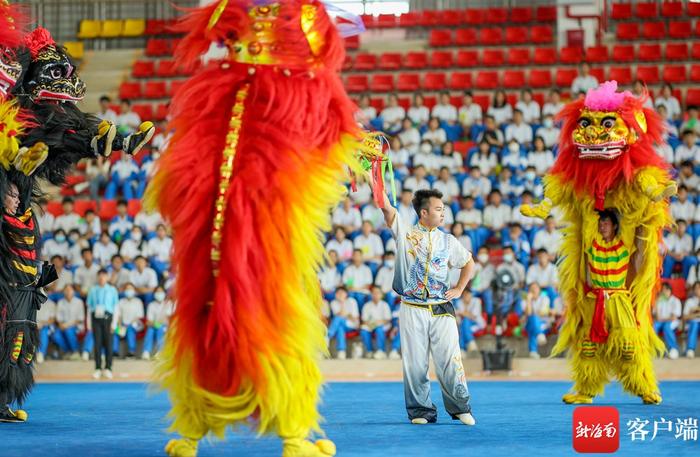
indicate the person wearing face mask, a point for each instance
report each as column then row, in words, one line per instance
column 385, row 278
column 159, row 250
column 484, row 275
column 65, row 277
column 157, row 319
column 484, row 159
column 425, row 256
column 548, row 132
column 148, row 221
column 104, row 250
column 540, row 157
column 128, row 320
column 133, row 246
column 517, row 271
column 532, row 182
column 426, row 158
column 513, row 158
column 56, row 246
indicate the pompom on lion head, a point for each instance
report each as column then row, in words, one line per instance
column 606, row 137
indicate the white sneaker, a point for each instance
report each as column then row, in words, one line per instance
column 341, row 355
column 357, row 351
column 97, row 374
column 673, row 354
column 541, row 339
column 146, row 355
column 690, row 354
column 74, row 356
column 380, row 355
column 419, row 421
column 394, row 355
column 466, row 419
column 107, row 374
column 86, row 356
column 472, row 347
column 39, row 358
column 369, row 355
column 534, row 355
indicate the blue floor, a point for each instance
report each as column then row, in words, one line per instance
column 364, row 419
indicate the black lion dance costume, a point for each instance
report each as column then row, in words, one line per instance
column 42, row 134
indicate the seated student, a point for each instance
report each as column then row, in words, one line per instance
column 70, row 319
column 157, row 319
column 46, row 322
column 691, row 317
column 376, row 317
column 385, row 278
column 395, row 335
column 357, row 277
column 128, row 320
column 667, row 312
column 471, row 320
column 539, row 317
column 346, row 316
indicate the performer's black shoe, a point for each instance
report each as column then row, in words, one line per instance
column 102, row 142
column 7, row 415
column 137, row 140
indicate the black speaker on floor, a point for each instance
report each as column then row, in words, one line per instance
column 501, row 359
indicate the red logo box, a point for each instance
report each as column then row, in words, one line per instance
column 596, row 429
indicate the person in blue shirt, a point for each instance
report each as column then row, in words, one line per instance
column 102, row 305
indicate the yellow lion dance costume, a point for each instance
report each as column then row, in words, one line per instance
column 607, row 166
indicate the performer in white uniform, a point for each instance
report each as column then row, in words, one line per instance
column 424, row 257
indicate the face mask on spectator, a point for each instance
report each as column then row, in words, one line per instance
column 74, row 237
column 530, row 175
column 129, row 293
column 60, row 238
column 548, row 123
column 483, row 258
column 508, row 258
column 425, row 148
column 160, row 296
column 514, row 147
column 136, row 236
column 390, row 263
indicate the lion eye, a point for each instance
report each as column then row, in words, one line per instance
column 608, row 123
column 584, row 122
column 55, row 73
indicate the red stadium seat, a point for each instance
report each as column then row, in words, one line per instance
column 565, row 76
column 648, row 74
column 154, row 27
column 491, row 36
column 390, row 61
column 368, row 20
column 541, row 34
column 695, row 73
column 365, row 62
column 435, row 81
column 521, row 14
column 161, row 112
column 697, row 28
column 623, row 75
column 674, row 74
column 672, row 9
column 545, row 56
column 382, row 83
column 129, row 90
column 347, row 63
column 693, row 9
column 427, row 18
column 133, row 207
column 408, row 82
column 143, row 69
column 465, row 37
column 145, row 111
column 405, row 103
column 483, row 101
column 654, row 30
column 518, row 56
column 597, row 54
column 108, row 209
column 441, row 59
column 676, row 51
column 356, row 83
column 154, row 89
column 496, row 15
column 460, row 80
column 646, row 10
column 166, row 69
column 516, row 35
column 540, row 78
column 450, row 18
column 513, row 79
column 467, row 58
column 386, row 21
column 176, row 85
column 440, row 37
column 623, row 53
column 621, row 11
column 546, row 13
column 377, row 103
column 410, row 19
column 487, row 80
column 352, row 42
column 695, row 50
column 474, row 16
column 627, row 31
column 599, row 73
column 572, row 54
column 649, row 52
column 492, row 57
column 692, row 98
column 429, row 101
column 416, row 60
column 679, row 29
column 156, row 47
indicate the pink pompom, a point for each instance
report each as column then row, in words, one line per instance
column 605, row 97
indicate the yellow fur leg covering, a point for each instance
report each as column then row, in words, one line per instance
column 297, row 447
column 181, row 447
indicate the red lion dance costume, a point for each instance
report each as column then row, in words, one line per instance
column 262, row 143
column 607, row 163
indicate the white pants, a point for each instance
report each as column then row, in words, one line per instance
column 424, row 334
